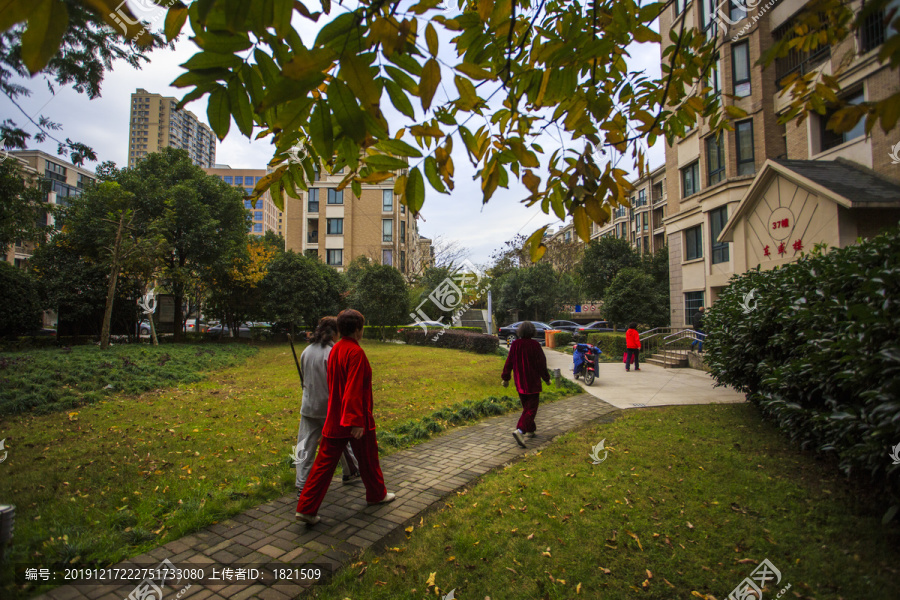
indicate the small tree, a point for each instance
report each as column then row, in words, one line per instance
column 299, row 290
column 603, row 259
column 380, row 295
column 635, row 296
column 22, row 205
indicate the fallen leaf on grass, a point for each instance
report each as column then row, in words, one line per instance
column 689, row 526
column 645, row 584
column 380, row 582
column 605, row 571
column 668, row 583
column 409, row 529
column 511, row 569
column 530, row 537
column 633, row 535
column 578, row 589
column 649, row 574
column 547, row 554
column 746, row 561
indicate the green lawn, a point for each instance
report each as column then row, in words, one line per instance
column 119, row 476
column 688, row 502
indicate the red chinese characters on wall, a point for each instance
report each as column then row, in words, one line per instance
column 781, row 224
column 798, row 245
column 766, row 251
column 782, row 248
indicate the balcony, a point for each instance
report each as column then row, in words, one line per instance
column 312, row 237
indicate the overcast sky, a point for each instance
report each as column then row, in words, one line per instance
column 103, row 124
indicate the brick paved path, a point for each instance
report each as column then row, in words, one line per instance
column 421, row 477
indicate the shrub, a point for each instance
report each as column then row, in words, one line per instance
column 480, row 343
column 20, row 309
column 612, row 344
column 816, row 345
column 564, row 338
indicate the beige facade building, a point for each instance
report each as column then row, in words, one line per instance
column 642, row 224
column 64, row 180
column 336, row 226
column 763, row 193
column 265, row 215
column 156, row 123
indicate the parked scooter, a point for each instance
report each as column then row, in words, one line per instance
column 586, row 359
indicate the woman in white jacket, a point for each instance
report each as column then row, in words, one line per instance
column 314, row 409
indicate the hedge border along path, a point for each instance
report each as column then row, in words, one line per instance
column 421, row 476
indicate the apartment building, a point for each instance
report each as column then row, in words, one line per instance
column 156, row 123
column 337, row 226
column 764, row 193
column 265, row 215
column 643, row 223
column 64, row 181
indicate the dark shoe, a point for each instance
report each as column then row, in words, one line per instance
column 637, row 369
column 530, row 435
column 389, row 497
column 352, row 478
column 519, row 438
column 308, row 519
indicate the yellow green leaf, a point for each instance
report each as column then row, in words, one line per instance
column 415, row 190
column 175, row 20
column 219, row 112
column 46, row 26
column 428, row 83
column 582, row 223
column 535, row 244
column 431, row 39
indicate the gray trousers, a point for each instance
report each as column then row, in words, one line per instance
column 308, row 436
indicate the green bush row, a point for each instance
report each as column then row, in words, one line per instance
column 816, row 345
column 564, row 338
column 612, row 344
column 394, row 332
column 480, row 343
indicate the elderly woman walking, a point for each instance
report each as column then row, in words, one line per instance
column 314, row 409
column 527, row 362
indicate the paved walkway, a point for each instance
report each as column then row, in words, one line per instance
column 652, row 386
column 421, row 477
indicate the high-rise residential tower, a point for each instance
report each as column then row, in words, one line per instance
column 156, row 123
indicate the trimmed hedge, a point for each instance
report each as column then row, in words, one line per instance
column 816, row 345
column 612, row 344
column 480, row 343
column 564, row 338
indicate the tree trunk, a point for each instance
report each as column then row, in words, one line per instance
column 111, row 289
column 178, row 292
column 153, row 337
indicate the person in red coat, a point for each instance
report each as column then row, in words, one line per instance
column 349, row 420
column 632, row 347
column 527, row 362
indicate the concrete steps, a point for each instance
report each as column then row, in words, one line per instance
column 669, row 362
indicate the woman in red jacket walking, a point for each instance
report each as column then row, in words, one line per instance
column 632, row 347
column 527, row 362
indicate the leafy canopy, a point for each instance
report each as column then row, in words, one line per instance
column 557, row 64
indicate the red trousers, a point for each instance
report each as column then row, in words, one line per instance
column 529, row 410
column 330, row 450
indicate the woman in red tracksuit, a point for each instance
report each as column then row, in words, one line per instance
column 632, row 347
column 527, row 361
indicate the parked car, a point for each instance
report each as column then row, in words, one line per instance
column 192, row 326
column 144, row 327
column 224, row 331
column 595, row 327
column 509, row 334
column 569, row 326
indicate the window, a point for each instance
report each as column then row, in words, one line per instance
column 257, row 215
column 693, row 243
column 248, row 191
column 55, row 172
column 737, row 12
column 228, row 179
column 690, row 179
column 679, row 6
column 387, row 230
column 403, row 232
column 871, row 34
column 387, row 200
column 334, row 226
column 829, row 138
column 335, row 196
column 714, row 80
column 334, row 258
column 715, row 159
column 387, row 257
column 403, row 261
column 717, row 220
column 646, row 221
column 312, row 204
column 402, row 209
column 239, row 180
column 642, row 198
column 740, row 67
column 743, row 142
column 257, row 228
column 692, row 303
column 639, row 245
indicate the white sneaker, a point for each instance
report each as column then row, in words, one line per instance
column 308, row 519
column 520, row 439
column 389, row 497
